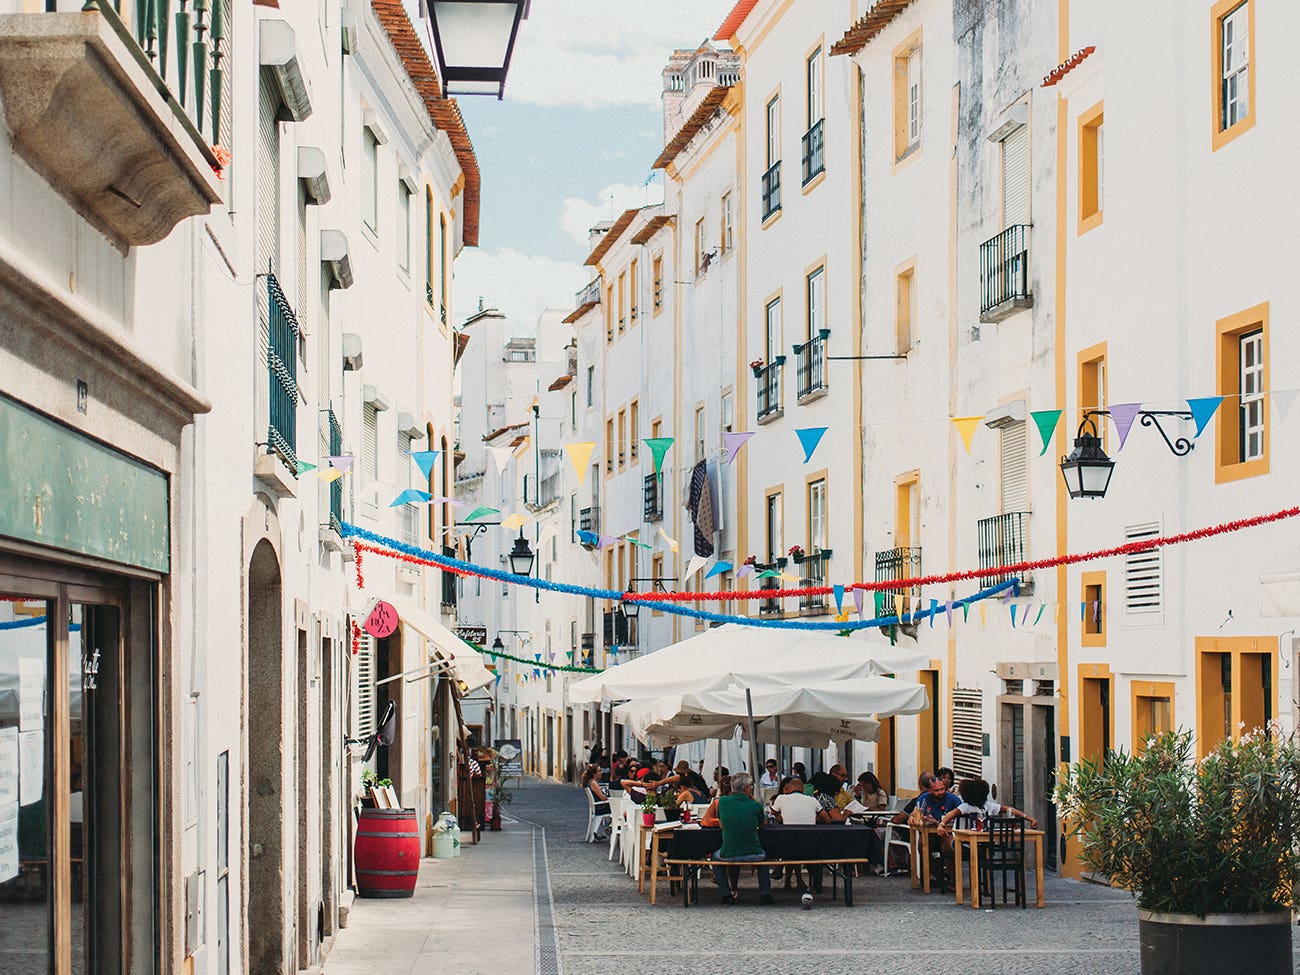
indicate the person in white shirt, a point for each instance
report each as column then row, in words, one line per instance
column 793, row 808
column 975, row 800
column 771, row 778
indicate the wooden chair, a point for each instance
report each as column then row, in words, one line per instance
column 1004, row 853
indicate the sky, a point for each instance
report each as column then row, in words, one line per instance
column 571, row 144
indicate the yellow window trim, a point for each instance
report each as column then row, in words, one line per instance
column 1140, row 689
column 1220, row 137
column 1228, row 370
column 902, row 51
column 905, row 270
column 1091, row 356
column 1236, row 647
column 1090, row 213
column 1087, row 580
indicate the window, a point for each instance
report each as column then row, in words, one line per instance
column 403, row 227
column 701, row 263
column 634, row 281
column 813, row 74
column 1013, row 454
column 658, row 267
column 1092, row 386
column 1236, row 693
column 370, row 179
column 1242, row 432
column 428, row 246
column 775, row 527
column 370, row 443
column 408, row 515
column 1234, row 68
column 622, row 301
column 1153, row 711
column 905, row 315
column 609, row 445
column 907, row 96
column 699, row 434
column 591, row 386
column 1091, row 186
column 622, row 438
column 1015, row 176
column 727, row 238
column 773, row 132
column 442, row 268
column 772, row 330
column 770, row 195
column 907, row 511
column 728, row 414
column 1096, row 718
column 609, row 314
column 1092, row 610
column 816, row 302
column 634, row 427
column 817, row 516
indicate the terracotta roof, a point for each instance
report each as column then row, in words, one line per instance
column 581, row 310
column 444, row 112
column 1066, row 66
column 500, row 430
column 652, row 227
column 869, row 25
column 518, row 440
column 607, row 241
column 559, row 383
column 727, row 29
column 699, row 118
column 462, row 342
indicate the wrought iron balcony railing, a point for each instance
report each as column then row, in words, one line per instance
column 1002, row 542
column 336, row 485
column 897, row 563
column 1004, row 274
column 810, row 365
column 654, row 498
column 282, row 371
column 589, row 520
column 814, row 156
column 772, row 190
column 813, row 568
column 770, row 606
column 448, row 584
column 769, row 389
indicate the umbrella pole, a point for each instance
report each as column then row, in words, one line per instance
column 753, row 738
column 779, row 762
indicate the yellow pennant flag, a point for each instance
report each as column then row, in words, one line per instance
column 966, row 427
column 672, row 543
column 579, row 455
column 328, row 474
column 513, row 521
column 982, row 619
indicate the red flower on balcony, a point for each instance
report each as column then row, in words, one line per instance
column 752, row 560
column 223, row 160
column 796, row 551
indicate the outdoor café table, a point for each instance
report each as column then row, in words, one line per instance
column 919, row 837
column 837, row 846
column 974, row 839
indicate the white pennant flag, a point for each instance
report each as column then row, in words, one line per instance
column 1284, row 399
column 695, row 565
column 501, row 455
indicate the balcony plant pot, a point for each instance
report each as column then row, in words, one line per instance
column 1211, row 847
column 798, row 557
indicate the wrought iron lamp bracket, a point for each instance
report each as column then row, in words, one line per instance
column 1179, row 446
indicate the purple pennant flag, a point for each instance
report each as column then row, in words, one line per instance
column 857, row 601
column 947, row 608
column 341, row 462
column 745, row 571
column 733, row 443
column 606, row 541
column 1124, row 414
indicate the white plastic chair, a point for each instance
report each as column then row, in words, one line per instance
column 596, row 817
column 618, row 824
column 897, row 834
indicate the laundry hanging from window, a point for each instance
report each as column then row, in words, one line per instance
column 700, row 505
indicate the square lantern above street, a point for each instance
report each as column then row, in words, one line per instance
column 474, row 41
column 1087, row 469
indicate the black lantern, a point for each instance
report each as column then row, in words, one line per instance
column 521, row 556
column 474, row 41
column 1087, row 469
column 498, row 646
column 631, row 608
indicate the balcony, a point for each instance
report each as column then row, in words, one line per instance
column 893, row 564
column 769, row 606
column 814, row 155
column 277, row 466
column 589, row 521
column 772, row 190
column 1002, row 542
column 128, row 147
column 654, row 498
column 814, row 569
column 769, row 390
column 619, row 629
column 331, row 530
column 448, row 584
column 1004, row 274
column 810, row 366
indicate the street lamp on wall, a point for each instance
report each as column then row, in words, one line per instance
column 1087, row 469
column 521, row 556
column 474, row 41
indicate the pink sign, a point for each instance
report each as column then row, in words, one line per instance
column 382, row 620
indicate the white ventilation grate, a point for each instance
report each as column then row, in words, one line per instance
column 1144, row 578
column 967, row 732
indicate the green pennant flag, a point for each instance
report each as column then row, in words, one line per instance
column 768, row 574
column 658, row 447
column 1046, row 421
column 304, row 467
column 482, row 511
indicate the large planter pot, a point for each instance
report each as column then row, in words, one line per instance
column 1184, row 944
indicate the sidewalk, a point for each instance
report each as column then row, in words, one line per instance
column 471, row 914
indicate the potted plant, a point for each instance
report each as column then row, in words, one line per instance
column 757, row 366
column 796, row 553
column 671, row 807
column 368, row 781
column 1211, row 849
column 648, row 808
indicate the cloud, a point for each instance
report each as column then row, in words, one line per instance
column 574, row 52
column 520, row 285
column 578, row 216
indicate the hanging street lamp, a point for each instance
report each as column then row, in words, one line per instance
column 1087, row 469
column 474, row 41
column 521, row 556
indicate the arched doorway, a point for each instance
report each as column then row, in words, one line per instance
column 267, row 920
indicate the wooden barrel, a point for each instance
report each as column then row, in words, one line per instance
column 387, row 853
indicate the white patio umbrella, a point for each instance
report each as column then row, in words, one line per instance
column 800, row 730
column 744, row 656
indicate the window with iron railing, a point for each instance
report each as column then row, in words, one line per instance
column 813, row 569
column 1002, row 542
column 897, row 564
column 336, row 485
column 589, row 519
column 769, row 388
column 282, row 375
column 653, row 497
column 769, row 606
column 1004, row 274
column 814, row 156
column 810, row 364
column 448, row 583
column 771, row 195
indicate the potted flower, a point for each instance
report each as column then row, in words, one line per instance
column 751, row 560
column 648, row 808
column 1211, row 849
column 757, row 366
column 796, row 553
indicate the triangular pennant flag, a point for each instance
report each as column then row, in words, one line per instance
column 934, row 611
column 745, row 571
column 501, row 455
column 579, row 457
column 672, row 543
column 586, row 537
column 425, row 459
column 329, row 475
column 482, row 511
column 1083, row 611
column 717, row 569
column 966, row 427
column 947, row 608
column 410, row 496
column 838, row 592
column 878, row 598
column 304, row 467
column 1284, row 399
column 1041, row 607
column 786, row 577
column 1124, row 414
column 640, row 544
column 537, row 656
column 1013, row 616
column 342, row 462
column 658, row 447
column 983, row 617
column 1203, row 408
column 733, row 442
column 965, row 612
column 1046, row 421
column 809, row 438
column 605, row 541
column 514, row 521
column 445, row 499
column 765, row 574
column 858, row 599
column 695, row 565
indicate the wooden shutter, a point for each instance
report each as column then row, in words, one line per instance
column 1015, row 468
column 363, row 671
column 967, row 732
column 370, row 442
column 1015, row 177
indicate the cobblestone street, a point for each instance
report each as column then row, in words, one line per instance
column 604, row 925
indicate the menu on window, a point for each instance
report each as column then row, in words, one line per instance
column 31, row 693
column 8, row 842
column 8, row 767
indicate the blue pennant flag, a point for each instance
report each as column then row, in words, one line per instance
column 810, row 437
column 1203, row 410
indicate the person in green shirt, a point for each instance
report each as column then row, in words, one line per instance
column 741, row 817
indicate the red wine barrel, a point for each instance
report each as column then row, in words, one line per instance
column 387, row 852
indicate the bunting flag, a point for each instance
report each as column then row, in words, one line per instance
column 934, row 611
column 878, row 598
column 1124, row 414
column 695, row 565
column 718, row 569
column 579, row 457
column 342, row 462
column 1013, row 615
column 658, row 447
column 768, row 574
column 304, row 467
column 838, row 592
column 1283, row 399
column 733, row 442
column 809, row 438
column 672, row 543
column 605, row 541
column 965, row 612
column 444, row 499
column 947, row 609
column 638, row 543
column 857, row 602
column 425, row 459
column 501, row 455
column 410, row 496
column 1083, row 611
column 966, row 427
column 745, row 571
column 482, row 511
column 329, row 475
column 787, row 577
column 1046, row 421
column 1203, row 409
column 1041, row 607
column 983, row 617
column 587, row 538
column 514, row 521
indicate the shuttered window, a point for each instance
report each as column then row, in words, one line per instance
column 363, row 689
column 1014, row 468
column 302, row 306
column 1144, row 578
column 370, row 443
column 408, row 518
column 1015, row 177
column 268, row 234
column 967, row 732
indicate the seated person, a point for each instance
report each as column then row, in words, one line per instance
column 869, row 793
column 741, row 818
column 975, row 801
column 664, row 779
column 793, row 808
column 687, row 789
column 636, row 789
column 771, row 776
column 931, row 808
column 618, row 769
column 591, row 782
column 948, row 777
column 923, row 783
column 724, row 789
column 826, row 790
column 719, row 774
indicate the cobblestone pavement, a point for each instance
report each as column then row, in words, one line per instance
column 605, row 926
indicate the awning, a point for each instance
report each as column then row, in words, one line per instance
column 459, row 659
column 1281, row 585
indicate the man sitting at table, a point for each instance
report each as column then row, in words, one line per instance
column 922, row 783
column 741, row 817
column 932, row 807
column 793, row 808
column 771, row 778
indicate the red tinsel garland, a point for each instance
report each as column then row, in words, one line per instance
column 356, row 638
column 361, row 580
